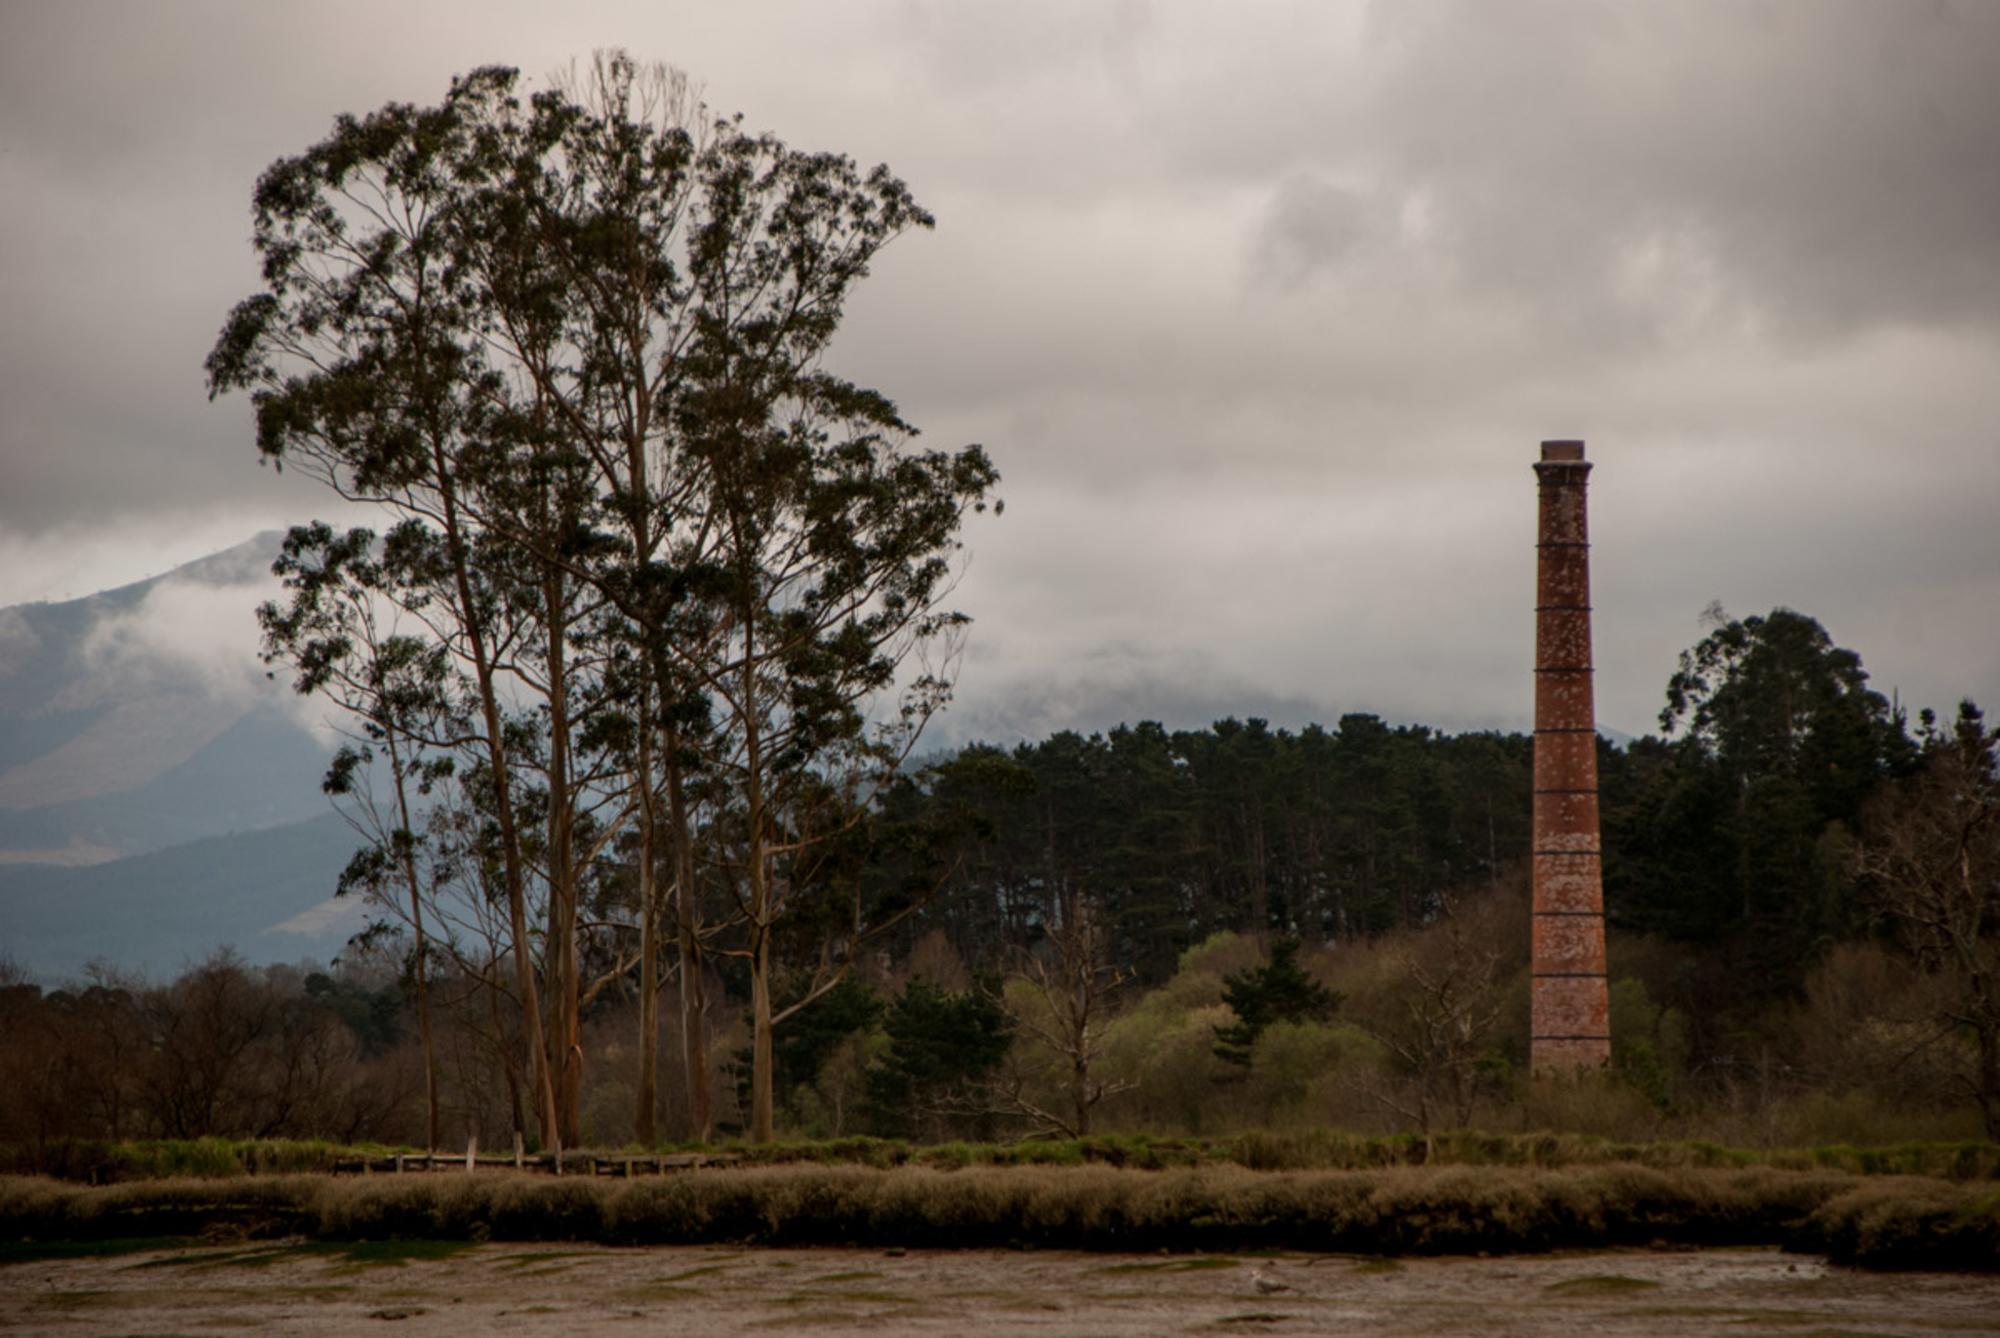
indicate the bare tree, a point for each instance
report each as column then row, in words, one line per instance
column 1931, row 862
column 1437, row 1020
column 1072, row 979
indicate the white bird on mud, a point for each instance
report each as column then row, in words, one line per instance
column 1267, row 1286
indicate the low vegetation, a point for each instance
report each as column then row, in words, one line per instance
column 1309, row 1150
column 1884, row 1221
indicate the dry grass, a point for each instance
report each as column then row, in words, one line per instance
column 1899, row 1222
column 1908, row 1224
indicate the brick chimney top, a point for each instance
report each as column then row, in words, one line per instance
column 1562, row 450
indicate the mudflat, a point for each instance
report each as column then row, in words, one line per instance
column 447, row 1288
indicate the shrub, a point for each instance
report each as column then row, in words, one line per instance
column 1907, row 1224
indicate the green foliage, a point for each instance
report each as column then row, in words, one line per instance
column 374, row 1016
column 1279, row 991
column 1325, row 833
column 1290, row 1060
column 1648, row 1043
column 1732, row 836
column 811, row 1036
column 941, row 1044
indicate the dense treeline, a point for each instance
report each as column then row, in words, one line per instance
column 1234, row 928
column 1326, row 834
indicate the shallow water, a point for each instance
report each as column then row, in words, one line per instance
column 294, row 1288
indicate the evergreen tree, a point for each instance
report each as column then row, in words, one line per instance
column 1735, row 835
column 941, row 1045
column 1278, row 991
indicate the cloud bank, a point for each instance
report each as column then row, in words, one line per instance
column 1261, row 311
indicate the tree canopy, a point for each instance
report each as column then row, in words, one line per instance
column 571, row 346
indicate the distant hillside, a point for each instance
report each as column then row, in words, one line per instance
column 140, row 718
column 159, row 793
column 269, row 894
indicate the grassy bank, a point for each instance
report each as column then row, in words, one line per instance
column 1892, row 1222
column 1312, row 1150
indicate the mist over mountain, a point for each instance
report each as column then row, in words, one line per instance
column 159, row 790
column 133, row 723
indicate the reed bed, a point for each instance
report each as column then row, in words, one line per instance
column 1883, row 1221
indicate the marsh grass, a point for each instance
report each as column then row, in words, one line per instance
column 1206, row 1210
column 1915, row 1224
column 1299, row 1150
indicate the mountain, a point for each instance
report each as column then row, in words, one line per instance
column 153, row 775
column 267, row 894
column 141, row 717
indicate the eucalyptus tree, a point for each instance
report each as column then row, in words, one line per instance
column 779, row 554
column 367, row 361
column 578, row 340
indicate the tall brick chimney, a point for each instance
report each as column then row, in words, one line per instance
column 1570, row 1008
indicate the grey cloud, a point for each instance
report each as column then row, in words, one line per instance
column 1827, row 159
column 1312, row 223
column 1260, row 308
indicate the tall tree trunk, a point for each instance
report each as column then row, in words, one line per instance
column 503, row 804
column 564, row 976
column 406, row 847
column 762, row 1084
column 762, row 1091
column 647, row 1099
column 1260, row 892
column 687, row 918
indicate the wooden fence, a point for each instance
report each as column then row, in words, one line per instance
column 550, row 1163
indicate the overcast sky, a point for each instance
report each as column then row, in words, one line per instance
column 1261, row 309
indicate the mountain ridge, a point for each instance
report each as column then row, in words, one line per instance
column 105, row 699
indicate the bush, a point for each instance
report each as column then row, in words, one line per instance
column 1907, row 1224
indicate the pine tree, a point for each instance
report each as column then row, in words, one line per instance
column 1276, row 992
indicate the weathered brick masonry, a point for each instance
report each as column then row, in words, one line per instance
column 1570, row 1009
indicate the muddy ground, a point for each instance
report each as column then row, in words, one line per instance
column 517, row 1290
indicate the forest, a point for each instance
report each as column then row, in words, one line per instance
column 636, row 651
